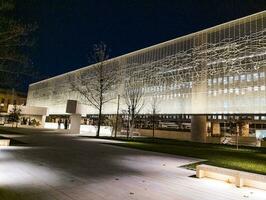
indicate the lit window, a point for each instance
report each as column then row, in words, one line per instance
column 262, row 75
column 256, row 117
column 231, row 90
column 249, row 89
column 256, row 88
column 237, row 91
column 214, row 80
column 220, row 80
column 225, row 80
column 255, row 76
column 225, row 91
column 236, row 78
column 231, row 79
column 249, row 77
column 243, row 77
column 262, row 88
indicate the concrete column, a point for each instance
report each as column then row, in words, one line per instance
column 215, row 128
column 244, row 129
column 198, row 128
column 75, row 123
column 43, row 121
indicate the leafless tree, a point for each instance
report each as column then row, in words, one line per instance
column 134, row 99
column 15, row 38
column 96, row 89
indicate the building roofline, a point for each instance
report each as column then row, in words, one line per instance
column 153, row 46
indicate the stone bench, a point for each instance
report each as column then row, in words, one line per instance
column 4, row 142
column 239, row 178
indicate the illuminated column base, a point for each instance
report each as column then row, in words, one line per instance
column 75, row 123
column 244, row 129
column 43, row 121
column 198, row 128
column 215, row 129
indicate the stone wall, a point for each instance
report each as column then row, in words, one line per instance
column 263, row 143
column 165, row 134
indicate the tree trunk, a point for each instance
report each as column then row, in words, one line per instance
column 153, row 124
column 99, row 122
column 132, row 125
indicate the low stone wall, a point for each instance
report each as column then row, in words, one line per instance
column 213, row 140
column 165, row 134
column 263, row 143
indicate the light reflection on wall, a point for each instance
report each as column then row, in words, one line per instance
column 217, row 70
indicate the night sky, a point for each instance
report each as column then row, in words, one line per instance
column 69, row 28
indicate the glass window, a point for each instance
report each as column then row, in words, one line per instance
column 243, row 77
column 249, row 77
column 225, row 80
column 255, row 76
column 209, row 81
column 237, row 90
column 256, row 117
column 231, row 78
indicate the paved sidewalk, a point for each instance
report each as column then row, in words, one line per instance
column 65, row 167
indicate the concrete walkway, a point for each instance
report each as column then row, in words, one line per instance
column 56, row 166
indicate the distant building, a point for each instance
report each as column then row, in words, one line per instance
column 11, row 97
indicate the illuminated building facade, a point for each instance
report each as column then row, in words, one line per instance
column 220, row 70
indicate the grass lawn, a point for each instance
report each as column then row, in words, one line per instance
column 249, row 159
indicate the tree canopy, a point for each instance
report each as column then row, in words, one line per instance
column 15, row 44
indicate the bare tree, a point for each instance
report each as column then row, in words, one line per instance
column 134, row 98
column 15, row 40
column 154, row 111
column 96, row 88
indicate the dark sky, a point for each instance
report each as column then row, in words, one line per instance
column 69, row 28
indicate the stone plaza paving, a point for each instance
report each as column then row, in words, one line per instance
column 57, row 166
